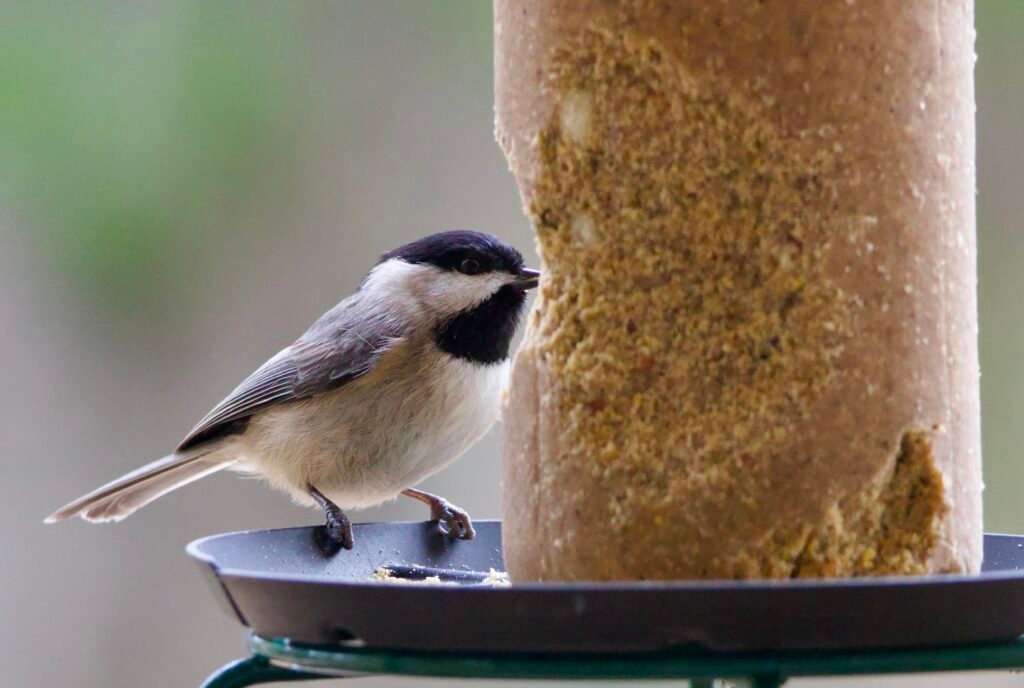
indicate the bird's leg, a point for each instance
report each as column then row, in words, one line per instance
column 455, row 519
column 339, row 528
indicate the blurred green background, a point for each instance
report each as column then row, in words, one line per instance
column 185, row 186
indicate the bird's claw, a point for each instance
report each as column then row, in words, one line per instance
column 339, row 529
column 456, row 521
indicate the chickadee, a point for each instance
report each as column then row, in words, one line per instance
column 387, row 388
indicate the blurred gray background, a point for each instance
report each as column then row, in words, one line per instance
column 184, row 187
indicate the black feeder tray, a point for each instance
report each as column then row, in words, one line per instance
column 315, row 612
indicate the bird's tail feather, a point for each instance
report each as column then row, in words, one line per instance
column 129, row 493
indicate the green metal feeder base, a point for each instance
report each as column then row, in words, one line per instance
column 279, row 660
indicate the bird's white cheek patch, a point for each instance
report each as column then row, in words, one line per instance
column 444, row 292
column 453, row 292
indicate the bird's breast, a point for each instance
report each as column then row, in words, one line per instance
column 463, row 402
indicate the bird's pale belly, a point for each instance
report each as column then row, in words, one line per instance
column 376, row 437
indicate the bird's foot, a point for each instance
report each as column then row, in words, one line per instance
column 339, row 528
column 456, row 521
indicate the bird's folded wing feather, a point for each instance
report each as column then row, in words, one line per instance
column 312, row 365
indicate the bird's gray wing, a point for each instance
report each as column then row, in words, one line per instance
column 322, row 360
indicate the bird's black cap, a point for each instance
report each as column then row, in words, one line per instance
column 447, row 250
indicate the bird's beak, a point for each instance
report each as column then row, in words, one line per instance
column 527, row 278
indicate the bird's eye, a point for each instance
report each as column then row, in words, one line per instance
column 470, row 266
